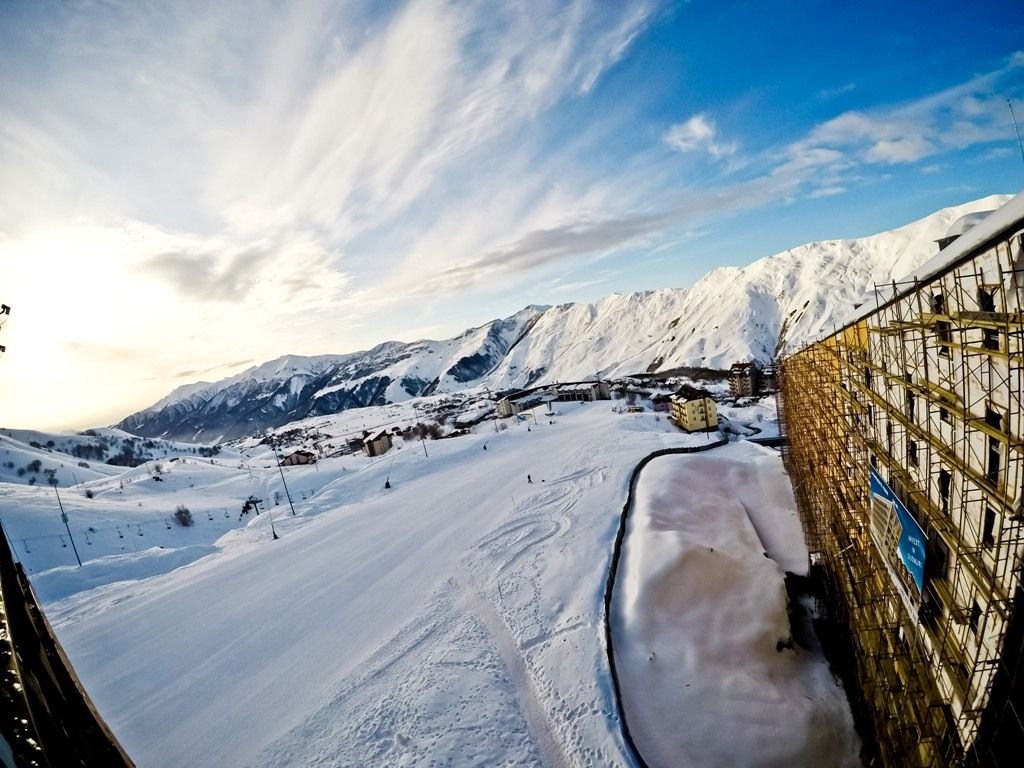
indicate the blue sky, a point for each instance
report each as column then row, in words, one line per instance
column 192, row 187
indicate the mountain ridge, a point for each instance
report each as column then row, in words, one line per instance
column 730, row 314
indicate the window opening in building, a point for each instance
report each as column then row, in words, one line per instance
column 945, row 480
column 986, row 300
column 943, row 414
column 975, row 617
column 912, row 452
column 937, row 558
column 945, row 334
column 990, row 339
column 938, row 304
column 988, row 539
column 992, row 474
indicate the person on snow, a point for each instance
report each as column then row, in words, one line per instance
column 529, row 479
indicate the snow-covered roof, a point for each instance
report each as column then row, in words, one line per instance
column 991, row 226
column 966, row 222
column 377, row 435
column 687, row 393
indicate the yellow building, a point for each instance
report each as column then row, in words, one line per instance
column 694, row 410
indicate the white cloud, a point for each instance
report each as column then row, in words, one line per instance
column 827, row 192
column 964, row 115
column 903, row 150
column 698, row 134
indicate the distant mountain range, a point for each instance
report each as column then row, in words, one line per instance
column 730, row 314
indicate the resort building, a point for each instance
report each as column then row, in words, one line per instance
column 694, row 410
column 906, row 451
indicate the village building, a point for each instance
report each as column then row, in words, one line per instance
column 661, row 402
column 694, row 410
column 298, row 457
column 517, row 403
column 378, row 443
column 744, row 379
column 586, row 391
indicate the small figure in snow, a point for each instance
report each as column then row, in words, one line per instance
column 529, row 479
column 485, row 446
column 652, row 657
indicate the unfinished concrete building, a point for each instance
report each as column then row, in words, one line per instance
column 906, row 453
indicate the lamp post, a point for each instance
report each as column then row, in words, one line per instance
column 64, row 518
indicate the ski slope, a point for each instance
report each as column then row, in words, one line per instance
column 453, row 618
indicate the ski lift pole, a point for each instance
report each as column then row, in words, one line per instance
column 270, row 513
column 284, row 482
column 64, row 518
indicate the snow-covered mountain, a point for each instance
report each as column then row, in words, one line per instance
column 731, row 314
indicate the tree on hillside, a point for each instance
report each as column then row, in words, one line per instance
column 183, row 516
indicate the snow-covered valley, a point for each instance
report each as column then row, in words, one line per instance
column 454, row 617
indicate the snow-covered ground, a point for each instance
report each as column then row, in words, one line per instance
column 700, row 628
column 451, row 619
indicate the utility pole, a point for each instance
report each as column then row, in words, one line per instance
column 488, row 391
column 64, row 517
column 423, row 442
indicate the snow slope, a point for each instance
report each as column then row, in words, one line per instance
column 731, row 314
column 454, row 618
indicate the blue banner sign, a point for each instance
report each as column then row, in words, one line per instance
column 912, row 538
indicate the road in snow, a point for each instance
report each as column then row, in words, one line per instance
column 453, row 619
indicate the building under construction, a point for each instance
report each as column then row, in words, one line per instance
column 906, row 451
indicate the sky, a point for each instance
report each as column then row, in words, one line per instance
column 191, row 188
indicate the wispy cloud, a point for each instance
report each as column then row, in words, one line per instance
column 965, row 115
column 699, row 134
column 830, row 93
